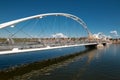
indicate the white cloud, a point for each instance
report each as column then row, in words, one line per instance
column 114, row 32
column 59, row 35
column 100, row 35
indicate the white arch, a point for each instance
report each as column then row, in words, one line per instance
column 80, row 21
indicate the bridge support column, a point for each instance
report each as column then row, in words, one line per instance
column 100, row 45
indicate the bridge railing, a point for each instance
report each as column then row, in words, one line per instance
column 37, row 43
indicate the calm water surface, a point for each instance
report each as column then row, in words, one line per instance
column 7, row 61
column 98, row 64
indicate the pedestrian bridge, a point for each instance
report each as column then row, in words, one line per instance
column 45, row 31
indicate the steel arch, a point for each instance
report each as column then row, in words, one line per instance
column 80, row 21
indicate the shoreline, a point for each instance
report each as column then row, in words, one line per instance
column 115, row 41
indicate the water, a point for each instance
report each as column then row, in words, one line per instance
column 98, row 64
column 7, row 61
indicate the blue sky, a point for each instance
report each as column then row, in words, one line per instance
column 100, row 15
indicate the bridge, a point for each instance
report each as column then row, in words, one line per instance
column 17, row 38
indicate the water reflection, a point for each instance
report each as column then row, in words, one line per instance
column 84, row 58
column 98, row 64
column 115, row 48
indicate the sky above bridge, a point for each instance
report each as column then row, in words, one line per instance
column 99, row 15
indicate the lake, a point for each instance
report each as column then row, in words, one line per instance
column 97, row 64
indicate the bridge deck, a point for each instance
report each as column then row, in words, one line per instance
column 16, row 50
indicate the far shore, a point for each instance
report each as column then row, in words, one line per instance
column 115, row 41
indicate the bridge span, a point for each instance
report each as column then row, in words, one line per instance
column 17, row 50
column 16, row 42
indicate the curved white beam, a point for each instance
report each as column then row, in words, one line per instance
column 80, row 21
